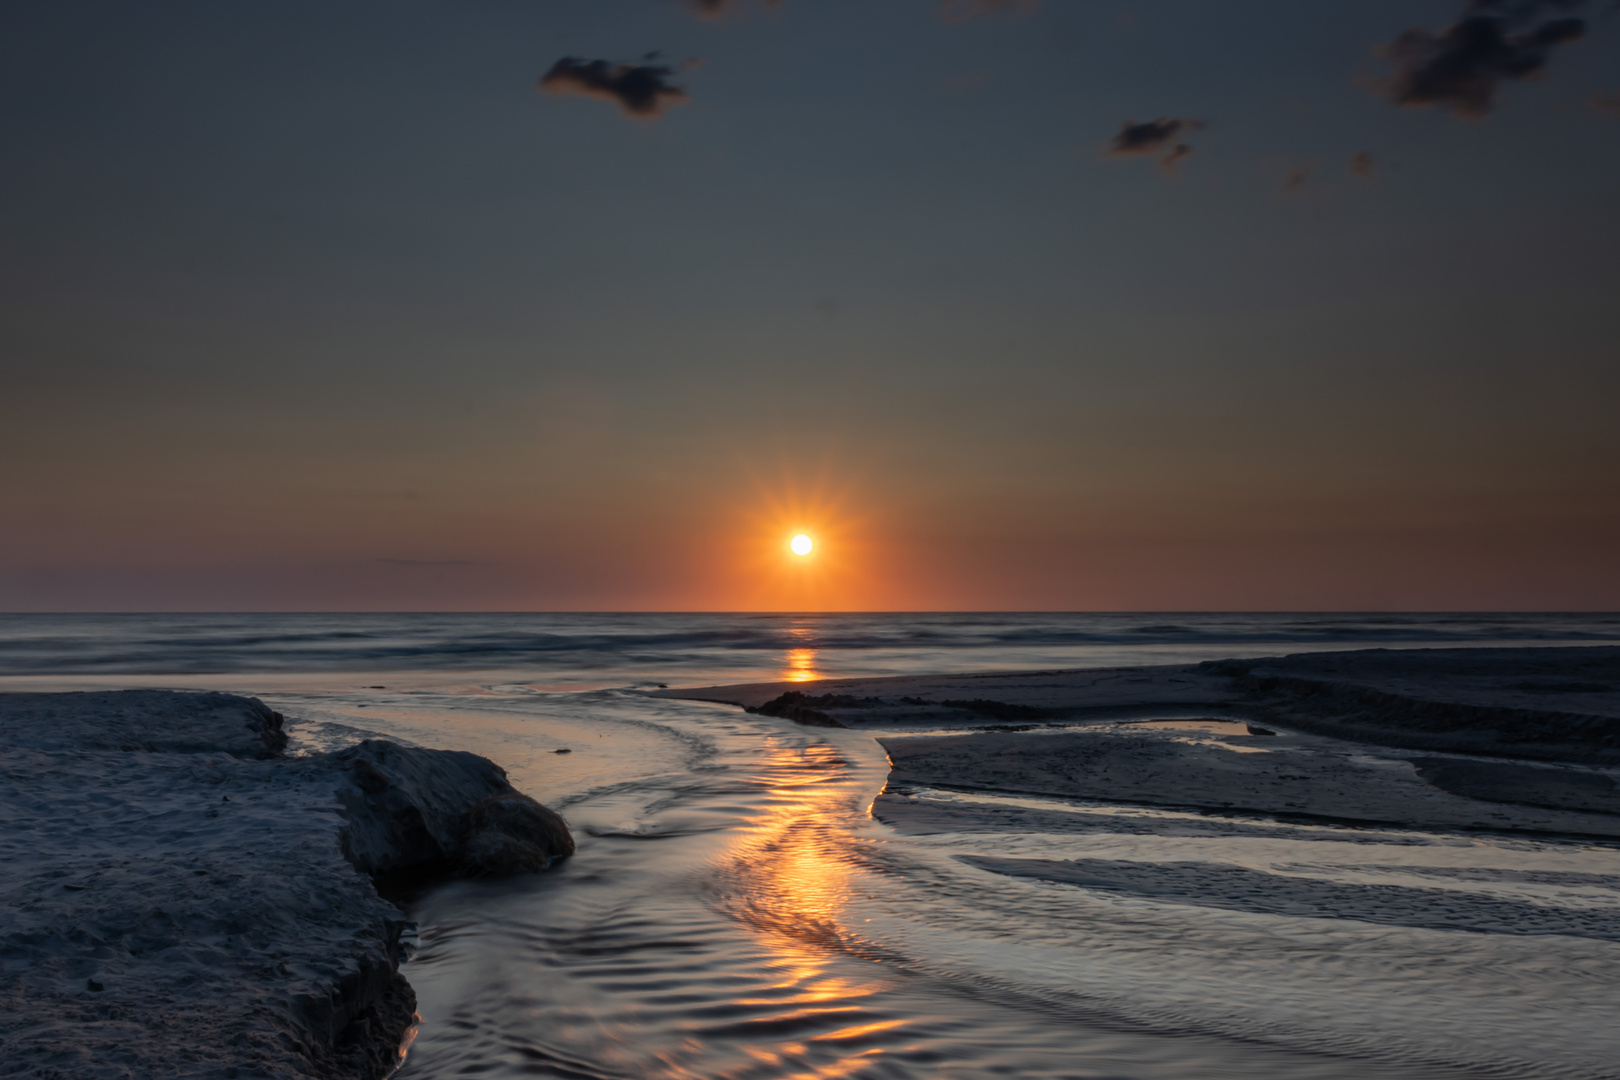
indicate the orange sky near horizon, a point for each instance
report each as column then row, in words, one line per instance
column 324, row 308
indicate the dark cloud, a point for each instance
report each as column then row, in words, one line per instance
column 1150, row 137
column 1298, row 176
column 639, row 89
column 963, row 10
column 1363, row 165
column 1494, row 41
column 1606, row 104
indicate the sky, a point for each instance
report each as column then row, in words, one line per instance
column 1010, row 304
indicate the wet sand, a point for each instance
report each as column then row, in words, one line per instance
column 1513, row 740
column 182, row 900
column 1551, row 704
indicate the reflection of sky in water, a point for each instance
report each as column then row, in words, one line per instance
column 1223, row 729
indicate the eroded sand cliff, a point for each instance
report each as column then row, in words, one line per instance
column 183, row 901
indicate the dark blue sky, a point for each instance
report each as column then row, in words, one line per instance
column 326, row 306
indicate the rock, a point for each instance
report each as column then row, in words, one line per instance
column 510, row 834
column 418, row 815
column 158, row 842
column 175, row 906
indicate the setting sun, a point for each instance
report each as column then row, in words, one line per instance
column 801, row 544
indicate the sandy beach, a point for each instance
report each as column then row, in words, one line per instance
column 185, row 901
column 188, row 900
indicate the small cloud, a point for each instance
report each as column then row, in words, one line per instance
column 1298, row 176
column 962, row 10
column 1363, row 165
column 1171, row 162
column 639, row 89
column 1460, row 67
column 1150, row 137
column 1605, row 104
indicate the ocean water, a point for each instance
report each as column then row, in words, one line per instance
column 735, row 911
column 600, row 650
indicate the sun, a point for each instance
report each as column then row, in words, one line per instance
column 801, row 544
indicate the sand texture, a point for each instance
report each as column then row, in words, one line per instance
column 1549, row 704
column 1236, row 888
column 1288, row 775
column 179, row 902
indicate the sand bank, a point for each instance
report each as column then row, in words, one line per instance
column 1509, row 740
column 1451, row 791
column 183, row 901
column 1551, row 704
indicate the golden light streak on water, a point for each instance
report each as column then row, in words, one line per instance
column 801, row 666
column 801, row 881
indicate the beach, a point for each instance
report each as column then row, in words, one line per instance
column 1346, row 863
column 185, row 900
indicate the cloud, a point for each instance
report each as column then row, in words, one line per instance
column 639, row 89
column 1171, row 162
column 963, row 10
column 1605, row 104
column 1152, row 136
column 1148, row 137
column 1363, row 165
column 1492, row 42
column 1298, row 176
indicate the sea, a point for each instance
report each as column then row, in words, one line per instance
column 735, row 910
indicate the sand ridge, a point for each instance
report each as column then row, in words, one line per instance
column 1550, row 704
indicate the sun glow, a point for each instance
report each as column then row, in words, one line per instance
column 798, row 547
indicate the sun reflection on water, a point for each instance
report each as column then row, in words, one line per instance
column 801, row 666
column 801, row 658
column 800, row 880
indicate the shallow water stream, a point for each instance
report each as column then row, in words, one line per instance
column 734, row 910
